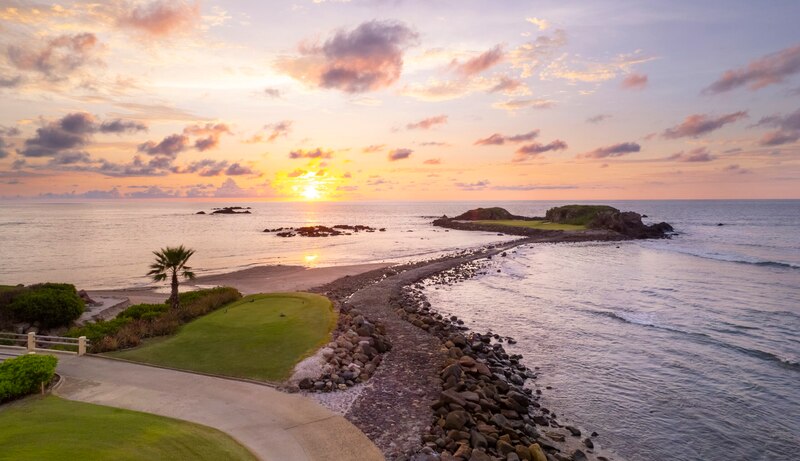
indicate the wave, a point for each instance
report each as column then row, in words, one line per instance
column 645, row 319
column 733, row 258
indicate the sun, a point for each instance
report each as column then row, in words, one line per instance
column 311, row 192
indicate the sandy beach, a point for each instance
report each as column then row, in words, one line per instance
column 262, row 279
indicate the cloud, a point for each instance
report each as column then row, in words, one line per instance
column 531, row 56
column 205, row 167
column 542, row 24
column 478, row 185
column 368, row 58
column 229, row 188
column 11, row 82
column 767, row 70
column 777, row 138
column 615, row 150
column 518, row 104
column 700, row 154
column 598, row 118
column 498, row 139
column 274, row 131
column 58, row 58
column 788, row 129
column 591, row 71
column 399, row 154
column 272, row 92
column 4, row 144
column 526, row 187
column 121, row 126
column 239, row 170
column 312, row 154
column 161, row 17
column 634, row 82
column 433, row 161
column 435, row 144
column 297, row 173
column 509, row 86
column 699, row 124
column 211, row 133
column 91, row 194
column 170, row 146
column 736, row 169
column 373, row 148
column 529, row 151
column 480, row 63
column 428, row 123
column 69, row 158
column 73, row 131
column 153, row 192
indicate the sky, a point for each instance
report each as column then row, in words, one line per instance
column 399, row 100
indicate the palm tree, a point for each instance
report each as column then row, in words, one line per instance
column 170, row 261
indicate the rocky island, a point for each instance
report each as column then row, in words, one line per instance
column 322, row 231
column 567, row 223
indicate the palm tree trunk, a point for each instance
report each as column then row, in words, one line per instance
column 174, row 295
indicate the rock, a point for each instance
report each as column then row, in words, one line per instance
column 537, row 454
column 523, row 453
column 201, row 212
column 587, row 442
column 485, row 214
column 504, row 447
column 574, row 430
column 305, row 384
column 558, row 437
column 512, row 457
column 478, row 455
column 456, row 419
column 578, row 455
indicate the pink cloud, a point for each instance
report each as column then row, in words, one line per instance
column 767, row 70
column 529, row 151
column 700, row 124
column 700, row 154
column 479, row 63
column 615, row 150
column 162, row 17
column 400, row 154
column 634, row 82
column 427, row 123
column 368, row 58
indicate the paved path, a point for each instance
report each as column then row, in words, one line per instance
column 273, row 425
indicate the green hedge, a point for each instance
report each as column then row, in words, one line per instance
column 24, row 375
column 142, row 321
column 48, row 304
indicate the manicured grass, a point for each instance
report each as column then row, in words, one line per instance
column 259, row 337
column 543, row 225
column 51, row 428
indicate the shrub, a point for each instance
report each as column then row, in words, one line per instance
column 49, row 304
column 580, row 215
column 23, row 375
column 149, row 320
column 143, row 311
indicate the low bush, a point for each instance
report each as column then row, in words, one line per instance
column 142, row 321
column 143, row 311
column 48, row 304
column 23, row 375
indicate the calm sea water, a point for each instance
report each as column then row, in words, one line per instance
column 677, row 349
column 681, row 349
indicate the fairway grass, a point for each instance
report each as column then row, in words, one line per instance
column 50, row 428
column 259, row 337
column 543, row 225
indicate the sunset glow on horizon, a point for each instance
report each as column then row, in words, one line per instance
column 318, row 100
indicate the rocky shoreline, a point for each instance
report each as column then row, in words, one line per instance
column 442, row 392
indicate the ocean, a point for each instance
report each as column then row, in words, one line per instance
column 686, row 348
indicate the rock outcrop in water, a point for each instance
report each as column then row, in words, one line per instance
column 231, row 210
column 322, row 231
column 602, row 222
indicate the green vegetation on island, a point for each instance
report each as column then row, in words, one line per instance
column 51, row 428
column 260, row 337
column 534, row 224
column 580, row 215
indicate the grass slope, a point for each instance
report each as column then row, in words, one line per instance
column 248, row 339
column 543, row 225
column 54, row 429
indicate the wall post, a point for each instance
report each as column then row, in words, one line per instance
column 31, row 341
